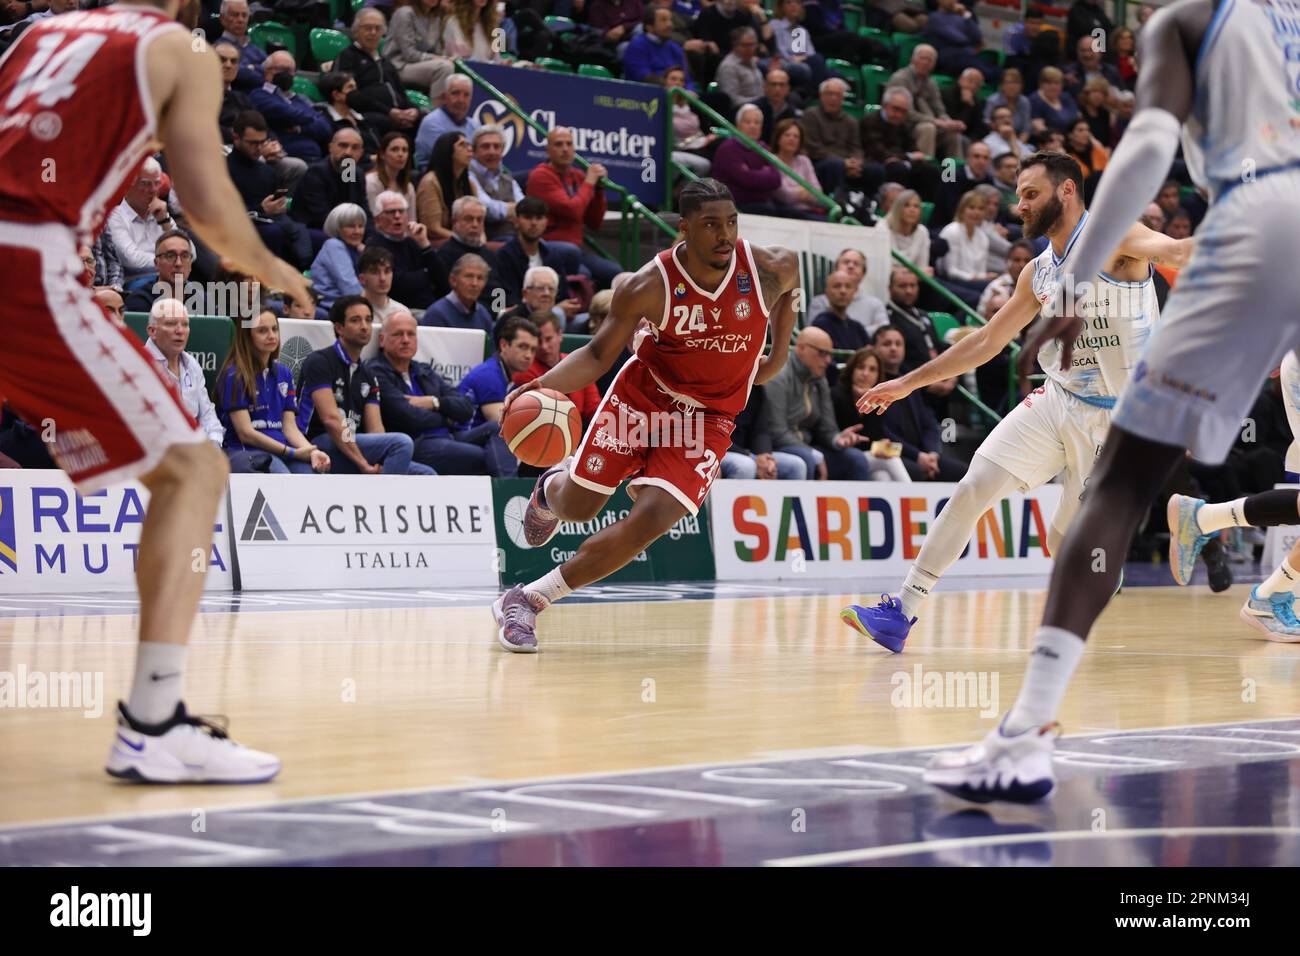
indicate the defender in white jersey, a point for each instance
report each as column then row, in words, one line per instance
column 1229, row 69
column 1059, row 427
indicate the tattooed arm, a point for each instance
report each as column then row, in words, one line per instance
column 778, row 278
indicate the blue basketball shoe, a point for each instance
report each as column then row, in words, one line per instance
column 886, row 624
column 1273, row 616
column 1185, row 537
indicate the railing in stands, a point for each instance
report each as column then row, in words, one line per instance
column 633, row 210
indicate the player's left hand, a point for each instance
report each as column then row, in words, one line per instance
column 881, row 396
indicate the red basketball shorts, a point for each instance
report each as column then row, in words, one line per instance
column 640, row 432
column 70, row 371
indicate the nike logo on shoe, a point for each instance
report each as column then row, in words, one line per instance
column 138, row 748
column 157, row 677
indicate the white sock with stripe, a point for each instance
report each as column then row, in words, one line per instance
column 1224, row 514
column 549, row 588
column 1051, row 665
column 1285, row 578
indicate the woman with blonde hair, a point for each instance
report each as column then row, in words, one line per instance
column 257, row 403
column 468, row 32
column 907, row 235
column 964, row 268
column 1050, row 106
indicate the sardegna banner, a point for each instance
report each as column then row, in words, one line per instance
column 622, row 125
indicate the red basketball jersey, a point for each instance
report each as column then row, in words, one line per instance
column 707, row 345
column 76, row 119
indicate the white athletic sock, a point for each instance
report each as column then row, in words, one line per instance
column 916, row 590
column 1051, row 665
column 546, row 485
column 549, row 588
column 159, row 676
column 1285, row 578
column 1225, row 514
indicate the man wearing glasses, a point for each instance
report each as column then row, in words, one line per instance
column 264, row 198
column 168, row 333
column 174, row 259
column 419, row 277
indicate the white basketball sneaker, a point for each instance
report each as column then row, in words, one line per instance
column 1017, row 768
column 184, row 749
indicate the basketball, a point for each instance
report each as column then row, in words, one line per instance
column 542, row 427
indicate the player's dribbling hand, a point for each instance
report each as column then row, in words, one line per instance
column 880, row 397
column 282, row 277
column 1064, row 328
column 516, row 392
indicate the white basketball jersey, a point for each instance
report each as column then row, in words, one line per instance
column 1246, row 117
column 1118, row 319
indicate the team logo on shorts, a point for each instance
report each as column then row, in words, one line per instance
column 743, row 284
column 46, row 126
column 595, row 464
column 742, row 309
column 680, row 290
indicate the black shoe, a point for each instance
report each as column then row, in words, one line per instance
column 1216, row 564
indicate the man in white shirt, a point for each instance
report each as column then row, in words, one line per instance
column 138, row 221
column 169, row 333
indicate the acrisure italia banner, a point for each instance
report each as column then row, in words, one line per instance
column 361, row 531
column 845, row 529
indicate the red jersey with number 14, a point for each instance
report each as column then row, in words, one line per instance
column 76, row 118
column 705, row 349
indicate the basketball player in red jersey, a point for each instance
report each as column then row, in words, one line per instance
column 85, row 98
column 704, row 307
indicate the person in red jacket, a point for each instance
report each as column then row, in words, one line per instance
column 551, row 327
column 573, row 199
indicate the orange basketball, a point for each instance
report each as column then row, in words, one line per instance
column 542, row 427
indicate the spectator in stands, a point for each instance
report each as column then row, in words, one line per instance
column 451, row 117
column 1088, row 65
column 927, row 102
column 787, row 144
column 891, row 138
column 718, row 20
column 1086, row 17
column 168, row 332
column 974, row 173
column 393, row 170
column 751, row 455
column 573, row 199
column 108, row 268
column 962, row 100
column 174, row 260
column 1011, row 95
column 469, row 30
column 305, row 309
column 1006, row 171
column 375, row 272
column 775, row 102
column 885, row 197
column 864, row 308
column 234, row 22
column 550, row 332
column 1153, row 217
column 793, row 44
column 418, row 402
column 999, row 235
column 1002, row 139
column 614, row 20
column 921, row 341
column 652, row 51
column 137, row 222
column 87, row 257
column 1122, row 54
column 955, row 33
column 496, row 188
column 380, row 96
column 911, row 421
column 833, row 142
column 964, row 269
column 447, row 181
column 802, row 419
column 414, row 44
column 111, row 300
column 845, row 333
column 257, row 184
column 541, row 285
column 467, row 236
column 335, row 88
column 825, row 23
column 907, row 234
column 460, row 308
column 1168, row 199
column 333, row 181
column 1051, row 106
column 1179, row 225
column 739, row 75
column 1091, row 155
column 1092, row 107
column 860, row 374
column 691, row 146
column 418, row 276
column 487, row 383
column 258, row 404
column 997, row 293
column 340, row 402
column 233, row 100
column 334, row 270
column 302, row 131
column 527, row 250
column 753, row 181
